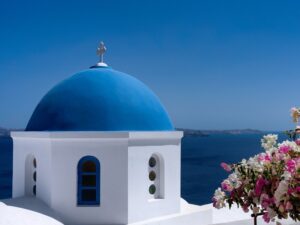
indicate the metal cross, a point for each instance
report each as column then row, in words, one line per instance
column 101, row 50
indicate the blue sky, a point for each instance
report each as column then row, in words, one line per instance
column 214, row 64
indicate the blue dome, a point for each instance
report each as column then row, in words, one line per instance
column 100, row 99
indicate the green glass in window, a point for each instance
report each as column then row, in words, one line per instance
column 152, row 189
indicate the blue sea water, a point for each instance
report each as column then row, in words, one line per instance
column 201, row 158
column 5, row 167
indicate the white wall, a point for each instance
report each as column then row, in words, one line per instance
column 40, row 148
column 112, row 154
column 141, row 147
column 124, row 156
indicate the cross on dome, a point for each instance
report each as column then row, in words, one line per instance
column 100, row 52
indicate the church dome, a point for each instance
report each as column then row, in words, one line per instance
column 100, row 99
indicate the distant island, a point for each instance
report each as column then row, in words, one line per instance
column 192, row 132
column 5, row 132
column 187, row 132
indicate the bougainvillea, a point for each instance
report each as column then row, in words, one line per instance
column 267, row 183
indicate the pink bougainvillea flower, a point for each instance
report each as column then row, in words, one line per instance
column 226, row 167
column 268, row 182
column 290, row 191
column 284, row 149
column 264, row 157
column 260, row 183
column 266, row 217
column 291, row 165
column 267, row 157
column 261, row 157
column 227, row 186
column 266, row 201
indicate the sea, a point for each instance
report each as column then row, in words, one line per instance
column 201, row 157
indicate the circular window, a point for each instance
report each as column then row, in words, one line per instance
column 34, row 190
column 34, row 163
column 152, row 175
column 34, row 176
column 152, row 162
column 152, row 189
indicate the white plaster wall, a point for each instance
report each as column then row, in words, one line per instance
column 19, row 158
column 40, row 148
column 124, row 156
column 112, row 154
column 141, row 147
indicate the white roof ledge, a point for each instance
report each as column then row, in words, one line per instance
column 132, row 135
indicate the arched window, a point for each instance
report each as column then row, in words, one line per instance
column 30, row 175
column 156, row 176
column 88, row 187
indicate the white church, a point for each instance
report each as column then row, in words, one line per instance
column 100, row 149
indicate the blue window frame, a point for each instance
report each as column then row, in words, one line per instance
column 88, row 186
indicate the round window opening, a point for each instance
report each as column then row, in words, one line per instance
column 34, row 176
column 152, row 162
column 34, row 163
column 34, row 190
column 152, row 176
column 152, row 189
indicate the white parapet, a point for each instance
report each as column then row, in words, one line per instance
column 33, row 211
column 189, row 215
column 22, row 211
